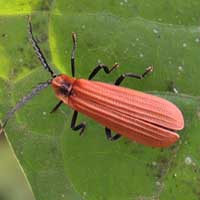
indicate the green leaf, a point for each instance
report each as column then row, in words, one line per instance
column 56, row 161
column 20, row 7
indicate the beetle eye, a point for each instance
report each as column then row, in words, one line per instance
column 65, row 89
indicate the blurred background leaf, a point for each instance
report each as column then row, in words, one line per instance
column 58, row 163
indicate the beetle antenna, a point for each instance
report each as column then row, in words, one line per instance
column 23, row 101
column 38, row 51
column 74, row 39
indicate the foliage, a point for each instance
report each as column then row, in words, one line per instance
column 57, row 162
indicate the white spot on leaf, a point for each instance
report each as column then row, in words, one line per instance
column 155, row 31
column 158, row 183
column 180, row 68
column 83, row 26
column 197, row 40
column 141, row 55
column 184, row 45
column 188, row 160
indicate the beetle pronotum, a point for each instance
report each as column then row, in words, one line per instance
column 144, row 118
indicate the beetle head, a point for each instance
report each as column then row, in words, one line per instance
column 62, row 86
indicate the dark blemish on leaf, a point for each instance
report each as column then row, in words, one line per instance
column 171, row 87
column 53, row 150
column 161, row 167
column 44, row 5
column 161, row 150
column 3, row 195
column 89, row 44
column 127, row 142
column 3, row 35
column 20, row 49
column 198, row 115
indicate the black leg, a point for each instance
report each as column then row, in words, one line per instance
column 118, row 82
column 109, row 135
column 80, row 126
column 104, row 67
column 138, row 76
column 74, row 39
column 56, row 107
column 38, row 51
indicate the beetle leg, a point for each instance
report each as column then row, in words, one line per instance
column 56, row 107
column 104, row 67
column 74, row 39
column 38, row 50
column 75, row 127
column 118, row 82
column 109, row 135
column 138, row 76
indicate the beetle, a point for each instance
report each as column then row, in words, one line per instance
column 141, row 117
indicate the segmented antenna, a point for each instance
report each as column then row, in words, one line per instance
column 74, row 39
column 23, row 101
column 37, row 49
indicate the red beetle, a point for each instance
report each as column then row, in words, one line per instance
column 144, row 118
